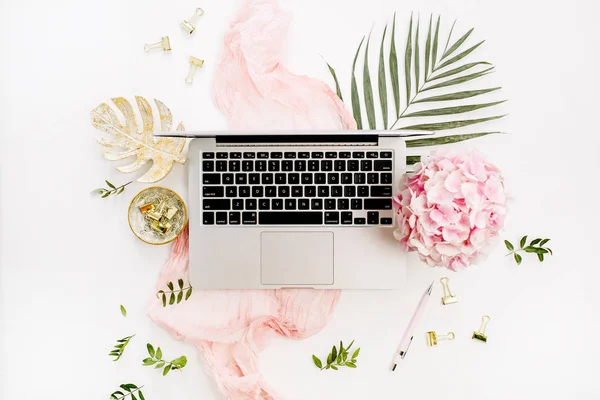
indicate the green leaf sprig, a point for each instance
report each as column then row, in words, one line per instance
column 156, row 359
column 338, row 358
column 112, row 190
column 129, row 389
column 120, row 347
column 535, row 246
column 123, row 310
column 175, row 295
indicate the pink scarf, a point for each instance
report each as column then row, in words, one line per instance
column 255, row 91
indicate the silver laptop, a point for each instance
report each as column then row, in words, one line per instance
column 307, row 210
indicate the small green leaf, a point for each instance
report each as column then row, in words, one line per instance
column 461, row 55
column 440, row 126
column 428, row 48
column 350, row 345
column 344, row 356
column 337, row 84
column 164, row 300
column 543, row 242
column 172, row 299
column 394, row 69
column 509, row 245
column 170, row 285
column 355, row 354
column 188, row 293
column 530, row 249
column 110, row 185
column 368, row 89
column 123, row 311
column 451, row 110
column 540, row 257
column 329, row 359
column 334, row 367
column 159, row 354
column 141, row 395
column 150, row 350
column 339, row 358
column 106, row 195
column 180, row 283
column 449, row 36
column 382, row 85
column 434, row 50
column 133, row 397
column 333, row 353
column 523, row 241
column 535, row 241
column 167, row 369
column 407, row 61
column 541, row 251
column 120, row 190
column 179, row 297
column 459, row 80
column 160, row 365
column 354, row 91
column 518, row 258
column 180, row 362
column 457, row 44
column 417, row 58
column 125, row 387
column 317, row 361
column 350, row 364
column 458, row 70
column 149, row 361
column 457, row 95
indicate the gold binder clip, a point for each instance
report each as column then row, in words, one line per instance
column 195, row 63
column 187, row 25
column 432, row 338
column 448, row 298
column 164, row 43
column 481, row 334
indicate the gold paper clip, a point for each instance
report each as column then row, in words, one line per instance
column 432, row 338
column 195, row 63
column 448, row 298
column 481, row 334
column 187, row 25
column 164, row 43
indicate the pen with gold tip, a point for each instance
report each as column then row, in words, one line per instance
column 410, row 329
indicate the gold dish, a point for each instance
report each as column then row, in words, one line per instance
column 140, row 225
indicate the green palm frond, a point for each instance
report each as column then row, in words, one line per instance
column 429, row 78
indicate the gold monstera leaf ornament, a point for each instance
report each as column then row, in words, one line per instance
column 142, row 144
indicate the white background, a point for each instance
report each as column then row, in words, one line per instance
column 68, row 260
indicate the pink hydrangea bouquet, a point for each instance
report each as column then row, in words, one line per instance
column 451, row 209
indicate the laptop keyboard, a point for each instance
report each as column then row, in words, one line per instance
column 297, row 188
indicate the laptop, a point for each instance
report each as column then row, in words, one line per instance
column 300, row 210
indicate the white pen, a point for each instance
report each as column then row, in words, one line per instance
column 408, row 334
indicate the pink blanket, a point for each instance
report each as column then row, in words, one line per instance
column 255, row 91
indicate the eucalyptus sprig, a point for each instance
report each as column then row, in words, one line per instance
column 175, row 295
column 156, row 359
column 535, row 246
column 338, row 358
column 111, row 190
column 120, row 347
column 129, row 389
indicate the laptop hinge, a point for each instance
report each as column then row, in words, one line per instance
column 297, row 140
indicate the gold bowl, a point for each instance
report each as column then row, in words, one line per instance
column 140, row 224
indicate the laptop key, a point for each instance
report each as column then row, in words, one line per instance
column 336, row 191
column 316, row 204
column 358, row 154
column 386, row 154
column 366, row 165
column 289, row 154
column 352, row 165
column 356, row 204
column 257, row 191
column 231, row 191
column 378, row 204
column 221, row 155
column 307, row 179
column 271, row 191
column 386, row 177
column 208, row 155
column 277, row 204
column 211, row 179
column 343, row 204
column 313, row 165
column 284, row 191
column 249, row 155
column 227, row 179
column 320, row 178
column 250, row 204
column 372, row 154
column 382, row 165
column 359, row 178
column 386, row 221
column 235, row 155
column 345, row 154
column 293, row 179
column 373, row 178
column 303, row 204
column 304, row 154
column 291, row 218
column 381, row 191
column 221, row 218
column 234, row 218
column 213, row 191
column 216, row 204
column 247, row 165
column 244, row 191
column 240, row 179
column 333, row 178
column 339, row 165
column 359, row 221
column 290, row 204
column 249, row 218
column 373, row 217
column 326, row 165
column 332, row 218
column 317, row 154
column 208, row 166
column 349, row 191
column 323, row 191
column 221, row 166
column 237, row 204
column 287, row 165
column 260, row 165
column 296, row 191
column 346, row 218
column 273, row 165
column 208, row 218
column 264, row 204
column 276, row 154
column 262, row 154
column 280, row 179
column 346, row 178
column 363, row 191
column 331, row 154
column 267, row 179
column 254, row 179
column 310, row 191
column 300, row 165
column 330, row 204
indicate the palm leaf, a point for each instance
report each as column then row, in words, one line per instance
column 338, row 90
column 407, row 61
column 417, row 59
column 461, row 55
column 461, row 79
column 457, row 44
column 445, row 139
column 368, row 89
column 382, row 83
column 434, row 50
column 449, row 36
column 452, row 110
column 354, row 91
column 428, row 48
column 458, row 70
column 394, row 69
column 440, row 126
column 457, row 95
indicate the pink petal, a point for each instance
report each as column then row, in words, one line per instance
column 453, row 182
column 439, row 195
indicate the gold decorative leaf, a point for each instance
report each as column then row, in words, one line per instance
column 142, row 144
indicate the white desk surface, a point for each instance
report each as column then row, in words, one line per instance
column 61, row 284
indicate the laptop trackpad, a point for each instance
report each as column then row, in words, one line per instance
column 296, row 258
